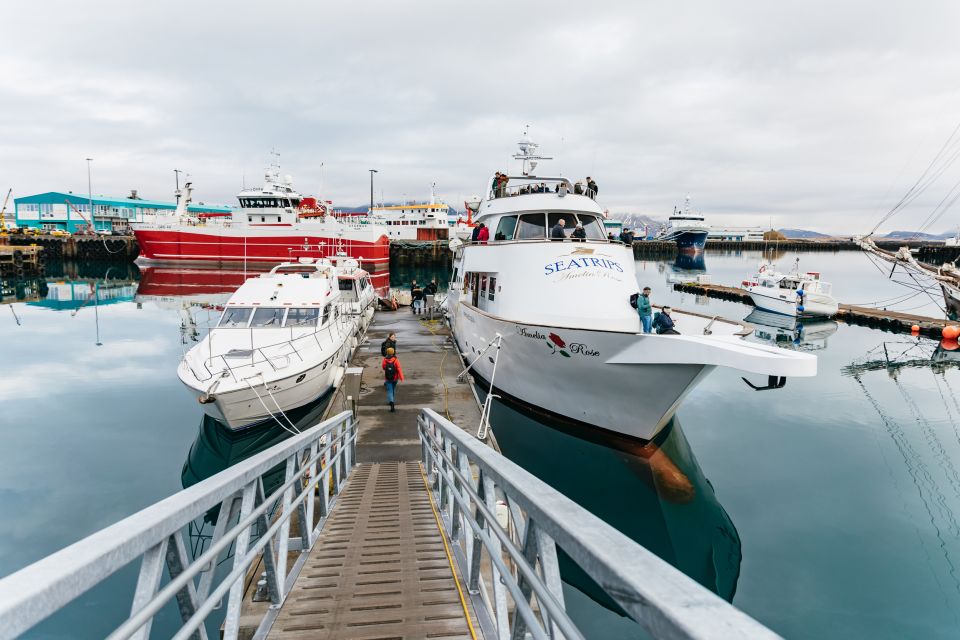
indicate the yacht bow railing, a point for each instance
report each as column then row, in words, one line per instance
column 509, row 558
column 316, row 463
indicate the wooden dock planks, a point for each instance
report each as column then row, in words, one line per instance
column 379, row 570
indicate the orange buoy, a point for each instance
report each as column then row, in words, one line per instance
column 915, row 329
column 950, row 332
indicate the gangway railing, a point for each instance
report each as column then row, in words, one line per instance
column 510, row 560
column 318, row 460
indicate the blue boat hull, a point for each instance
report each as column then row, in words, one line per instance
column 691, row 240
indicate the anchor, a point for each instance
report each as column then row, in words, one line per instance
column 773, row 382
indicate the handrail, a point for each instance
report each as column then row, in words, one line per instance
column 321, row 456
column 468, row 478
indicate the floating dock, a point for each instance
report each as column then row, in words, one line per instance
column 894, row 321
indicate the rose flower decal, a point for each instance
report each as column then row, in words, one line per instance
column 557, row 344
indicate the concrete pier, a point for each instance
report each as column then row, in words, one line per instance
column 894, row 321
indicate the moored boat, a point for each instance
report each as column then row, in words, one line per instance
column 546, row 320
column 273, row 224
column 688, row 230
column 282, row 341
column 791, row 294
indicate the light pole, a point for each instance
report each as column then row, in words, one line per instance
column 93, row 222
column 372, row 171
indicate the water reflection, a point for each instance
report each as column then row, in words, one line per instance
column 653, row 492
column 692, row 264
column 801, row 334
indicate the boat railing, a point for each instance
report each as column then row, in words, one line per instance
column 568, row 239
column 533, row 188
column 508, row 529
column 155, row 540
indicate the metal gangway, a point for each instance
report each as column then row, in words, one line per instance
column 501, row 529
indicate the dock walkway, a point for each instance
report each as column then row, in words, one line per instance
column 380, row 568
column 895, row 321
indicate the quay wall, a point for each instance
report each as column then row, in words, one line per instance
column 87, row 248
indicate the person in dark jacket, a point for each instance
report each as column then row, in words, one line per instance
column 476, row 232
column 556, row 232
column 591, row 187
column 389, row 343
column 663, row 323
column 416, row 297
column 496, row 184
column 579, row 234
column 431, row 289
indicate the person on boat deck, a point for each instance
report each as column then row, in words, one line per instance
column 579, row 235
column 591, row 187
column 645, row 310
column 416, row 296
column 662, row 322
column 610, row 236
column 504, row 179
column 495, row 185
column 431, row 289
column 556, row 231
column 389, row 343
column 626, row 237
column 543, row 187
column 578, row 188
column 483, row 234
column 475, row 233
column 392, row 374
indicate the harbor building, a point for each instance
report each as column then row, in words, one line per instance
column 69, row 211
column 736, row 234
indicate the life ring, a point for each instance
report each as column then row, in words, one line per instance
column 763, row 268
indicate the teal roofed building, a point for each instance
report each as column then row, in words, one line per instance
column 71, row 211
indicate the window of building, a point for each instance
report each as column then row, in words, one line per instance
column 532, row 226
column 267, row 317
column 263, row 218
column 506, row 228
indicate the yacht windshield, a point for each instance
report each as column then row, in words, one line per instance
column 267, row 317
column 532, row 227
column 593, row 226
column 506, row 228
column 302, row 317
column 235, row 317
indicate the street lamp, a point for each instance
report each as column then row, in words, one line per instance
column 93, row 222
column 372, row 171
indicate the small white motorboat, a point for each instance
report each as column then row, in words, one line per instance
column 791, row 294
column 282, row 341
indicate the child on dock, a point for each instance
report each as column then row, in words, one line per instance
column 392, row 374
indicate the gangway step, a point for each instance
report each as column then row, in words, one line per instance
column 380, row 568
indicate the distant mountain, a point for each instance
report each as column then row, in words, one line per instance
column 903, row 235
column 638, row 220
column 802, row 234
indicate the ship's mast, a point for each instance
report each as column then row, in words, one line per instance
column 528, row 152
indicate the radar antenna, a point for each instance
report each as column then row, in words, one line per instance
column 528, row 152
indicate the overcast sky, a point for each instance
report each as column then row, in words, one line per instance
column 813, row 114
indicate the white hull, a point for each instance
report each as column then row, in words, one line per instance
column 627, row 383
column 814, row 305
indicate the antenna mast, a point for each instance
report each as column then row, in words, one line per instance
column 528, row 152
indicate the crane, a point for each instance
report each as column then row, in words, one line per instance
column 3, row 222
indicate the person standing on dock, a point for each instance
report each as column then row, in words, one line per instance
column 392, row 374
column 416, row 297
column 389, row 343
column 645, row 310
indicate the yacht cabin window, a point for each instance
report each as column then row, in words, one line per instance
column 493, row 288
column 506, row 228
column 267, row 317
column 298, row 317
column 532, row 227
column 235, row 317
column 326, row 315
column 569, row 219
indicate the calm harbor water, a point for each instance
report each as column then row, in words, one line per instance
column 826, row 509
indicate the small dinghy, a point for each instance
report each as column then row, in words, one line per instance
column 282, row 341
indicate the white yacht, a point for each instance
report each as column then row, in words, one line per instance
column 791, row 294
column 548, row 324
column 282, row 341
column 413, row 220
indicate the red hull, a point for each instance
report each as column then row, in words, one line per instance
column 173, row 246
